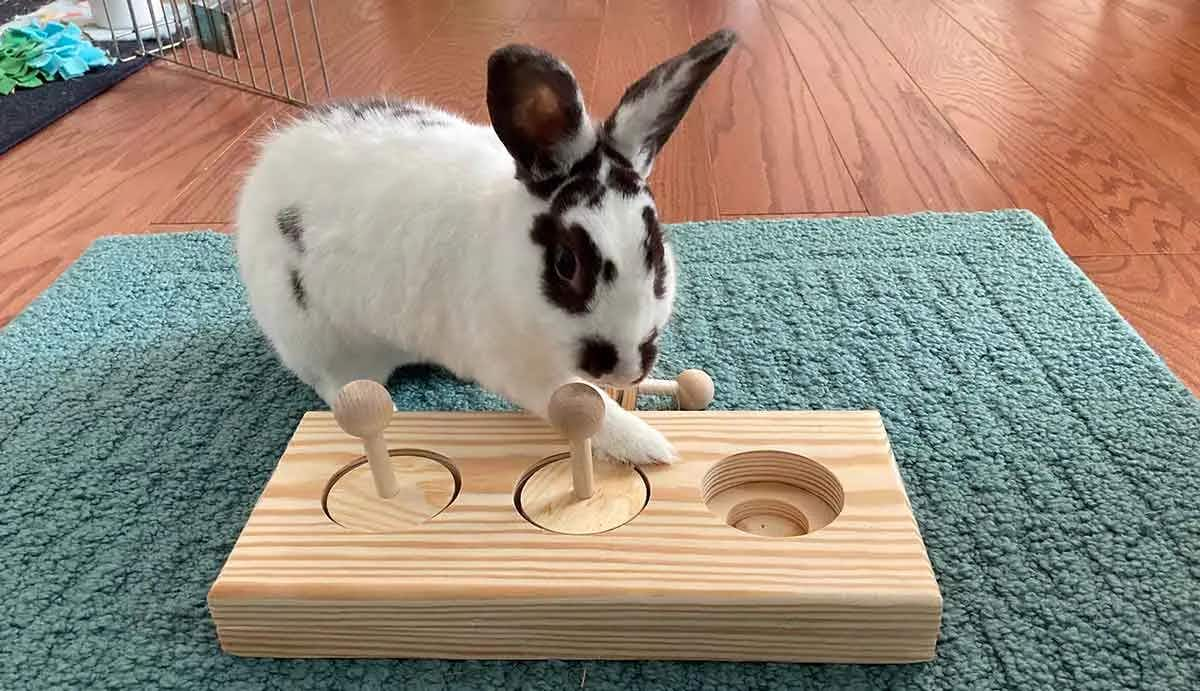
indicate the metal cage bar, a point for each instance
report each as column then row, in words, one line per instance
column 246, row 33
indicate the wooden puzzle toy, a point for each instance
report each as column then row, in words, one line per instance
column 777, row 535
column 692, row 390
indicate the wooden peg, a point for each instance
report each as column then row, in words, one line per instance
column 577, row 410
column 693, row 389
column 363, row 409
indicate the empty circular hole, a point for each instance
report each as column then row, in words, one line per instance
column 428, row 484
column 545, row 497
column 772, row 493
column 769, row 517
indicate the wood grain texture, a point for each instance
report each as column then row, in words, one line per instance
column 424, row 487
column 773, row 494
column 625, row 397
column 185, row 227
column 1024, row 88
column 771, row 151
column 1162, row 59
column 1175, row 22
column 450, row 68
column 493, row 9
column 548, row 498
column 567, row 9
column 369, row 42
column 900, row 151
column 1160, row 296
column 575, row 41
column 818, row 214
column 450, row 72
column 211, row 196
column 1157, row 140
column 110, row 172
column 676, row 582
column 637, row 35
column 1049, row 163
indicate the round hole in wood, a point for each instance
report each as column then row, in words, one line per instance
column 772, row 493
column 769, row 517
column 428, row 484
column 545, row 497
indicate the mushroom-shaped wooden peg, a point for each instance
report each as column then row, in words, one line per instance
column 693, row 389
column 577, row 410
column 363, row 409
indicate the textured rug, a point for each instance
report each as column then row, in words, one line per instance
column 1050, row 457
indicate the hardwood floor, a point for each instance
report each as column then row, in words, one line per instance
column 1085, row 111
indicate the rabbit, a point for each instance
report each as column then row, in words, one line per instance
column 520, row 256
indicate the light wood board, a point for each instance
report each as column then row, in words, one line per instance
column 478, row 580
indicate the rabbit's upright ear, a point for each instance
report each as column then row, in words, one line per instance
column 538, row 113
column 653, row 106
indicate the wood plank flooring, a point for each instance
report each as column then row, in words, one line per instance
column 1085, row 111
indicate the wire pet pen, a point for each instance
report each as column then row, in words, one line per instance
column 272, row 47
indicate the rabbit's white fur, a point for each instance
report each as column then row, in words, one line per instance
column 409, row 241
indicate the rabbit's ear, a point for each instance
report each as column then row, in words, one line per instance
column 538, row 112
column 653, row 106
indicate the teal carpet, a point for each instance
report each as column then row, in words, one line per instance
column 1051, row 459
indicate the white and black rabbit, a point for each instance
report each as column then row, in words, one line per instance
column 521, row 256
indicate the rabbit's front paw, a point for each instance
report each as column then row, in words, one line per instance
column 625, row 437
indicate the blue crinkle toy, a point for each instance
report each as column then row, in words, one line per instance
column 51, row 50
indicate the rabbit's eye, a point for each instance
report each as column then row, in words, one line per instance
column 565, row 263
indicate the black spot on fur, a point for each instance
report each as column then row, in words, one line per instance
column 611, row 152
column 574, row 294
column 578, row 191
column 353, row 107
column 624, row 180
column 610, row 271
column 648, row 350
column 298, row 291
column 542, row 189
column 597, row 357
column 290, row 226
column 588, row 166
column 406, row 110
column 656, row 260
column 360, row 108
